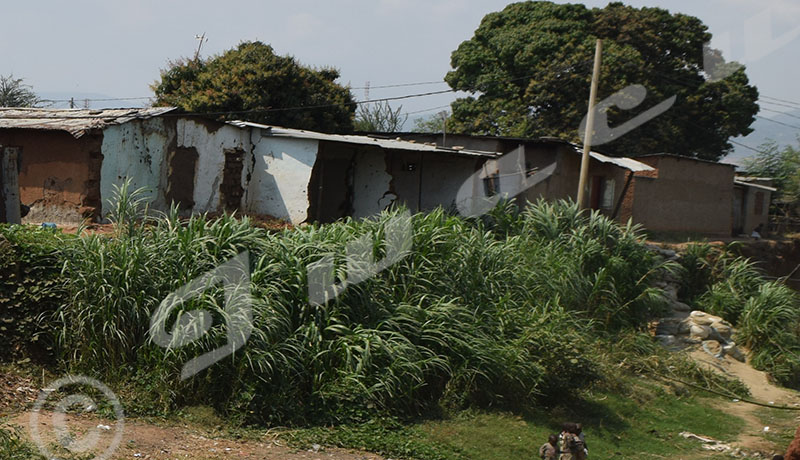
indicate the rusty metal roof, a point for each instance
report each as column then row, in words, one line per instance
column 395, row 144
column 74, row 121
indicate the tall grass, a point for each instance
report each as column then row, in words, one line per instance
column 499, row 311
column 766, row 313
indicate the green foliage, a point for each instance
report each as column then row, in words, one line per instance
column 379, row 117
column 783, row 166
column 30, row 285
column 495, row 312
column 529, row 68
column 430, row 124
column 14, row 93
column 253, row 83
column 13, row 447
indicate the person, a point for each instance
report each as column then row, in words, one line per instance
column 756, row 235
column 583, row 449
column 549, row 450
column 568, row 442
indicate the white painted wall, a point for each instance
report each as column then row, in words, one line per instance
column 280, row 176
column 136, row 150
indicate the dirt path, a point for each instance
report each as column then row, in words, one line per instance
column 762, row 390
column 148, row 441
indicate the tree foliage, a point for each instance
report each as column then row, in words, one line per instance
column 251, row 82
column 783, row 166
column 379, row 117
column 431, row 124
column 14, row 93
column 528, row 68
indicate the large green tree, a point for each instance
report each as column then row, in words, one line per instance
column 251, row 82
column 528, row 69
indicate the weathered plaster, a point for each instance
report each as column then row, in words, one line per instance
column 210, row 145
column 136, row 150
column 280, row 176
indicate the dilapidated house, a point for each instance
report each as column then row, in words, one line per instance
column 662, row 192
column 71, row 160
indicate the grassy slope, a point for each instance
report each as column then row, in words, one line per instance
column 644, row 422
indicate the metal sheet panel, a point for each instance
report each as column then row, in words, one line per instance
column 276, row 131
column 74, row 121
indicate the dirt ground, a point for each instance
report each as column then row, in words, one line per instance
column 149, row 441
column 752, row 438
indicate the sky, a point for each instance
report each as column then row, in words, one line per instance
column 110, row 49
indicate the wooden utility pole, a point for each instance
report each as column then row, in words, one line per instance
column 9, row 185
column 587, row 136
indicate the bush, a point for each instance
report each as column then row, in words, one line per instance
column 30, row 285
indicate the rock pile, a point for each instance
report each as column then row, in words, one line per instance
column 684, row 327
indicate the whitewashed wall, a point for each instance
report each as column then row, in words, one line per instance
column 136, row 150
column 281, row 171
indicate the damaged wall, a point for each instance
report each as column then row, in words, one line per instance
column 137, row 150
column 279, row 171
column 59, row 175
column 372, row 192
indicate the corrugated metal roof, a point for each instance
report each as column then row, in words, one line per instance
column 74, row 121
column 750, row 184
column 277, row 131
column 623, row 162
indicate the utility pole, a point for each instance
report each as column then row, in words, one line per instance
column 202, row 39
column 443, row 113
column 587, row 137
column 366, row 90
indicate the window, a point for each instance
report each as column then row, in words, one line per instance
column 491, row 185
column 607, row 194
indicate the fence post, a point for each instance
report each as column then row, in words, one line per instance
column 10, row 184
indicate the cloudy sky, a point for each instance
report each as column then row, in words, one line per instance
column 102, row 48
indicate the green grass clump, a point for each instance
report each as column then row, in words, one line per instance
column 501, row 311
column 13, row 447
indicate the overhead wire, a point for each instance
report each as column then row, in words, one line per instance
column 318, row 106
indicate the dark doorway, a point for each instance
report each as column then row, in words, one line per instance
column 180, row 182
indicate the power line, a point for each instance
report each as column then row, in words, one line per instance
column 401, row 85
column 309, row 107
column 782, row 113
column 777, row 122
column 780, row 100
column 778, row 104
column 428, row 110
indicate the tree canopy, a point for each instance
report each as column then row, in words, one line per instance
column 528, row 68
column 251, row 82
column 14, row 93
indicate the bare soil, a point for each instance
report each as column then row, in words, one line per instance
column 762, row 390
column 150, row 441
